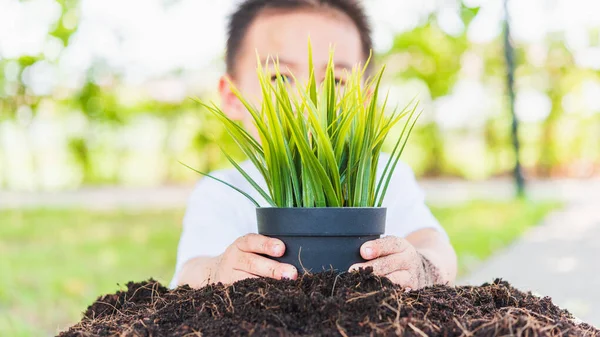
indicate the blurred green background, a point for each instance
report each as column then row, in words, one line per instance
column 87, row 97
column 95, row 93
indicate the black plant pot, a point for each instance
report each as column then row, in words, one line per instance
column 318, row 239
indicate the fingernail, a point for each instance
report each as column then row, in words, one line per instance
column 277, row 249
column 354, row 268
column 287, row 275
column 368, row 252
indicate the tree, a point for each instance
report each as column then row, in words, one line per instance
column 434, row 57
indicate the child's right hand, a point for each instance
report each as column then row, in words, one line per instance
column 241, row 260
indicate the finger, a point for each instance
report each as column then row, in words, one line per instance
column 265, row 267
column 383, row 265
column 407, row 260
column 259, row 244
column 238, row 275
column 405, row 279
column 382, row 247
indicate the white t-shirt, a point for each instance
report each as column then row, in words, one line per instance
column 217, row 215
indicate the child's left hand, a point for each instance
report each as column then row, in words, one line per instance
column 398, row 260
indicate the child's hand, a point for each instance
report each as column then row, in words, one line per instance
column 398, row 260
column 241, row 260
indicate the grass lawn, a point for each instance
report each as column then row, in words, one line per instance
column 56, row 262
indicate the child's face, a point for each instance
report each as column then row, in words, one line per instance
column 285, row 35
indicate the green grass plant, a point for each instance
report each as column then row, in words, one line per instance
column 318, row 144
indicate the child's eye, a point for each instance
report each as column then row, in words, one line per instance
column 339, row 81
column 285, row 78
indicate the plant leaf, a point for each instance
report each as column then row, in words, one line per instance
column 225, row 183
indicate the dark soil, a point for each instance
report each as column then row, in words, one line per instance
column 355, row 304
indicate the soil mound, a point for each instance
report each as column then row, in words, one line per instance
column 326, row 304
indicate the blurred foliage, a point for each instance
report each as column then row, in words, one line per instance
column 433, row 57
column 99, row 104
column 67, row 24
column 436, row 58
column 562, row 144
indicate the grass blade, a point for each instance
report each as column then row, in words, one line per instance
column 225, row 183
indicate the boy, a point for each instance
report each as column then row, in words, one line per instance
column 219, row 241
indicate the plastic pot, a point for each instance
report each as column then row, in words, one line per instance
column 318, row 239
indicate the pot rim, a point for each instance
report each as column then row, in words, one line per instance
column 322, row 221
column 332, row 208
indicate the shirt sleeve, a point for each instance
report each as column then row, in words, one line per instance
column 407, row 211
column 211, row 223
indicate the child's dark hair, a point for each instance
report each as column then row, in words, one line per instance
column 248, row 10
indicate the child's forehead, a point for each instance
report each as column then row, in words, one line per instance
column 273, row 60
column 285, row 36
